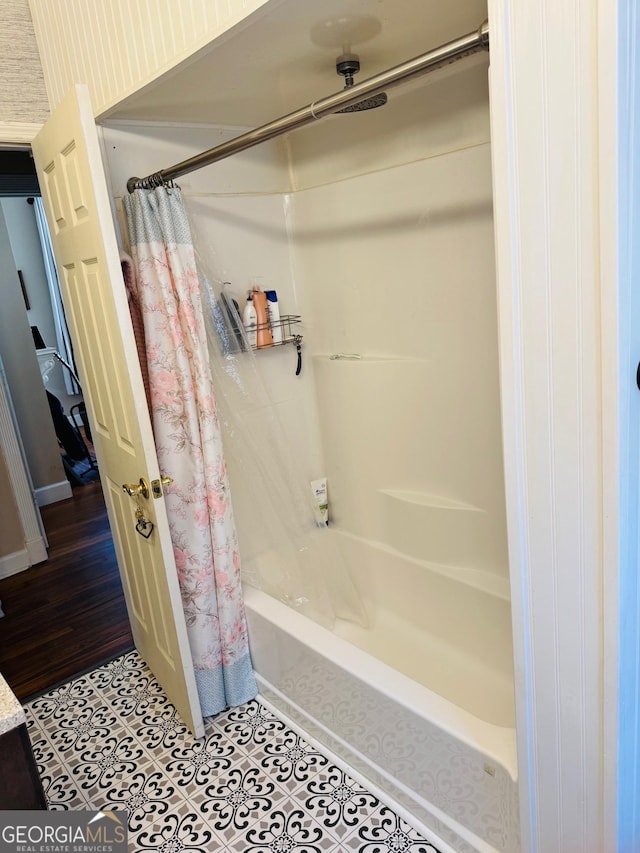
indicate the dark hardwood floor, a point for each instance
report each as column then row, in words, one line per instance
column 66, row 615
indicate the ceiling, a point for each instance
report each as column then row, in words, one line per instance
column 283, row 57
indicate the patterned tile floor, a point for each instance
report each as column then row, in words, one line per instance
column 111, row 739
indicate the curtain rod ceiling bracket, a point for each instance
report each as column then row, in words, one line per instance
column 444, row 55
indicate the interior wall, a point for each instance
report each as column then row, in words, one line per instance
column 23, row 375
column 23, row 235
column 393, row 239
column 23, row 97
column 441, row 112
column 27, row 253
column 411, row 428
column 11, row 532
column 118, row 48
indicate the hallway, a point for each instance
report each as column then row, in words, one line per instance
column 66, row 615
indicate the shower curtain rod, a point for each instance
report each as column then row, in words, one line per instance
column 439, row 56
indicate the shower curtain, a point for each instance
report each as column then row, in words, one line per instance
column 189, row 447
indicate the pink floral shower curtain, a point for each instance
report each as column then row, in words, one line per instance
column 189, row 446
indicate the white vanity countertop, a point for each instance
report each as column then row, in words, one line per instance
column 11, row 713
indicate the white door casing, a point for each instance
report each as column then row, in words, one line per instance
column 76, row 202
column 566, row 395
column 35, row 540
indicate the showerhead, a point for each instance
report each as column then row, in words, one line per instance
column 366, row 104
column 348, row 64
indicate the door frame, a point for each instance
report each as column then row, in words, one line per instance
column 18, row 135
column 34, row 537
column 569, row 399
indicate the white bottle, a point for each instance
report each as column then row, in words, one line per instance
column 273, row 309
column 250, row 322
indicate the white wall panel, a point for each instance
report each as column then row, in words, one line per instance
column 397, row 267
column 437, row 114
column 116, row 47
column 140, row 149
column 544, row 87
column 23, row 375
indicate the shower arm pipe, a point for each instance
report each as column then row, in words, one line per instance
column 436, row 58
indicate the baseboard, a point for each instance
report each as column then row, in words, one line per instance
column 11, row 564
column 36, row 550
column 53, row 493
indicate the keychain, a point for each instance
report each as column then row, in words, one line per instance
column 143, row 525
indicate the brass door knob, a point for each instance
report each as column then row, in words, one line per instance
column 136, row 489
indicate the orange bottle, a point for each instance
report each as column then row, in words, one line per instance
column 264, row 336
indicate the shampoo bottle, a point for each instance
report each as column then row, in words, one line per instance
column 250, row 321
column 263, row 335
column 273, row 309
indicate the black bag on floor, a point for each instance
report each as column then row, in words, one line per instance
column 66, row 434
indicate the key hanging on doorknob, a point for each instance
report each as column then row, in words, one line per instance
column 143, row 526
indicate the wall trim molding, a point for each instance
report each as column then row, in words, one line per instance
column 544, row 77
column 11, row 564
column 13, row 133
column 37, row 550
column 53, row 493
column 23, row 493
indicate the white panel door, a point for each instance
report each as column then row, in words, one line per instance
column 76, row 202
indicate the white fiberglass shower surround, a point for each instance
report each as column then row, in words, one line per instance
column 377, row 229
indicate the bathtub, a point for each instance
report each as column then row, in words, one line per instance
column 446, row 770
